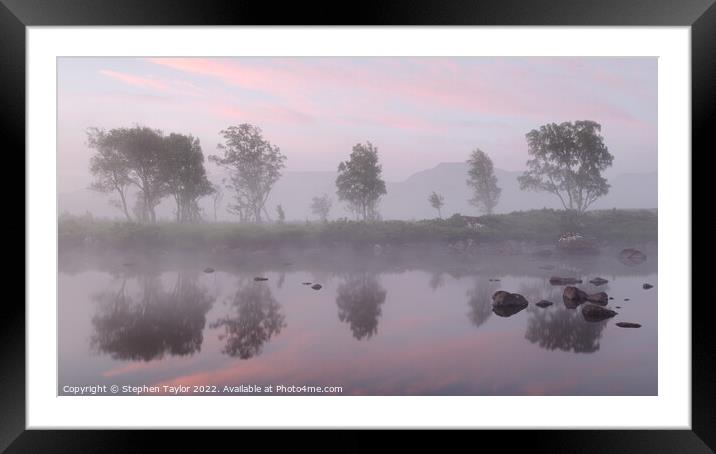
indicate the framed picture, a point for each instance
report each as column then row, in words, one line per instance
column 432, row 216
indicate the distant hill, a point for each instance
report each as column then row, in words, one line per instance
column 405, row 200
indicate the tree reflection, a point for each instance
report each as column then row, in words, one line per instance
column 480, row 302
column 563, row 329
column 359, row 299
column 256, row 318
column 152, row 322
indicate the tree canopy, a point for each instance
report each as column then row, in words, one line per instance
column 483, row 182
column 567, row 160
column 359, row 181
column 437, row 201
column 254, row 165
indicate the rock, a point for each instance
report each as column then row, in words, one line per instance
column 544, row 303
column 631, row 256
column 502, row 298
column 598, row 281
column 493, row 280
column 619, row 307
column 626, row 299
column 573, row 293
column 573, row 297
column 594, row 313
column 209, row 269
column 598, row 298
column 316, row 286
column 555, row 280
column 306, row 283
column 507, row 311
column 628, row 325
column 261, row 279
column 611, row 297
column 647, row 286
column 577, row 243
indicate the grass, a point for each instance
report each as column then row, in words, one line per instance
column 535, row 226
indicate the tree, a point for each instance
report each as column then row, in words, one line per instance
column 280, row 214
column 109, row 167
column 482, row 181
column 321, row 206
column 567, row 160
column 184, row 176
column 359, row 182
column 437, row 201
column 254, row 166
column 139, row 151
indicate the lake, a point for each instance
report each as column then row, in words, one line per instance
column 377, row 326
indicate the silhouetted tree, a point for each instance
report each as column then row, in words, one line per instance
column 109, row 167
column 184, row 175
column 437, row 201
column 483, row 182
column 359, row 181
column 359, row 299
column 321, row 206
column 254, row 166
column 152, row 322
column 567, row 160
column 256, row 319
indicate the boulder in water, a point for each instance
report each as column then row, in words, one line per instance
column 631, row 256
column 316, row 286
column 595, row 313
column 258, row 279
column 544, row 303
column 598, row 281
column 556, row 280
column 628, row 325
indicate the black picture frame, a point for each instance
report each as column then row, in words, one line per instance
column 700, row 15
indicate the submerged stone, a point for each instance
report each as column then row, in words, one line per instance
column 598, row 298
column 544, row 303
column 261, row 279
column 507, row 311
column 594, row 313
column 628, row 325
column 598, row 281
column 316, row 286
column 556, row 280
column 647, row 286
column 208, row 269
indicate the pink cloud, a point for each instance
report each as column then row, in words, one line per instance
column 151, row 83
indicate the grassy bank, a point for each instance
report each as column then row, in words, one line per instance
column 533, row 226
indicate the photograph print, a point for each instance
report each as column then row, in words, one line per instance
column 473, row 226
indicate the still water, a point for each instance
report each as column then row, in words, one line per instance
column 372, row 329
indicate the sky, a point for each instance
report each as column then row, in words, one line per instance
column 418, row 111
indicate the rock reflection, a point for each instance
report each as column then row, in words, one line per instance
column 152, row 322
column 256, row 317
column 563, row 329
column 359, row 299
